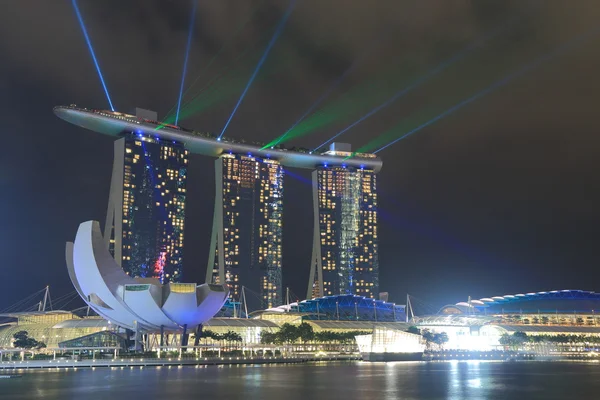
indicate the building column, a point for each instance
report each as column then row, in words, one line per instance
column 316, row 263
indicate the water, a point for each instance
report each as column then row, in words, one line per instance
column 348, row 381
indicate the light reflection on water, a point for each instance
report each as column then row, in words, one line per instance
column 349, row 381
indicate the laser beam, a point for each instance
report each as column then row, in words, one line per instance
column 321, row 98
column 217, row 79
column 260, row 63
column 187, row 54
column 559, row 51
column 431, row 73
column 228, row 87
column 217, row 54
column 89, row 44
column 331, row 88
column 311, row 108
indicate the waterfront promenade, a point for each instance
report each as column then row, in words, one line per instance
column 167, row 362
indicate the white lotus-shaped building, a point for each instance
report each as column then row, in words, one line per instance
column 135, row 303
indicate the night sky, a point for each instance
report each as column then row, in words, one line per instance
column 499, row 197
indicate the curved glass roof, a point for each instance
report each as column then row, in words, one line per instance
column 240, row 322
column 517, row 298
column 357, row 325
column 551, row 329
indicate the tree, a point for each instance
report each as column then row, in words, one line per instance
column 269, row 338
column 231, row 336
column 288, row 333
column 23, row 341
column 440, row 339
column 306, row 332
column 428, row 336
column 521, row 336
column 514, row 341
column 413, row 329
column 507, row 341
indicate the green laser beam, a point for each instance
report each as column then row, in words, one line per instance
column 348, row 103
column 218, row 53
column 405, row 125
column 218, row 78
column 230, row 86
column 401, row 132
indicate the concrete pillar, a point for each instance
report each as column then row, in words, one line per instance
column 198, row 335
column 137, row 337
column 184, row 337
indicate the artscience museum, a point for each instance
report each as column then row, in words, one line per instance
column 138, row 304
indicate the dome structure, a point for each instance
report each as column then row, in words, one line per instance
column 135, row 303
column 556, row 301
column 345, row 307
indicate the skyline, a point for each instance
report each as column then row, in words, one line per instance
column 500, row 197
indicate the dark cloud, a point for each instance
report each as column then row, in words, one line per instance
column 499, row 197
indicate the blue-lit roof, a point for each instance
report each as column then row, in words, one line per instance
column 558, row 299
column 346, row 308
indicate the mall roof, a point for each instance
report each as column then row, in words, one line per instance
column 115, row 123
column 240, row 322
column 357, row 325
column 550, row 329
column 33, row 313
column 520, row 297
column 342, row 300
column 451, row 320
column 83, row 323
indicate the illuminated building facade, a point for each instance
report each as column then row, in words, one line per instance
column 246, row 244
column 145, row 217
column 345, row 256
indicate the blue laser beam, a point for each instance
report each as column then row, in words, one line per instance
column 557, row 52
column 185, row 61
column 260, row 63
column 89, row 44
column 431, row 73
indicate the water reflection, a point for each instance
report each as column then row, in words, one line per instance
column 465, row 380
column 348, row 381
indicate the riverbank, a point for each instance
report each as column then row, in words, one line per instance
column 450, row 355
column 166, row 362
